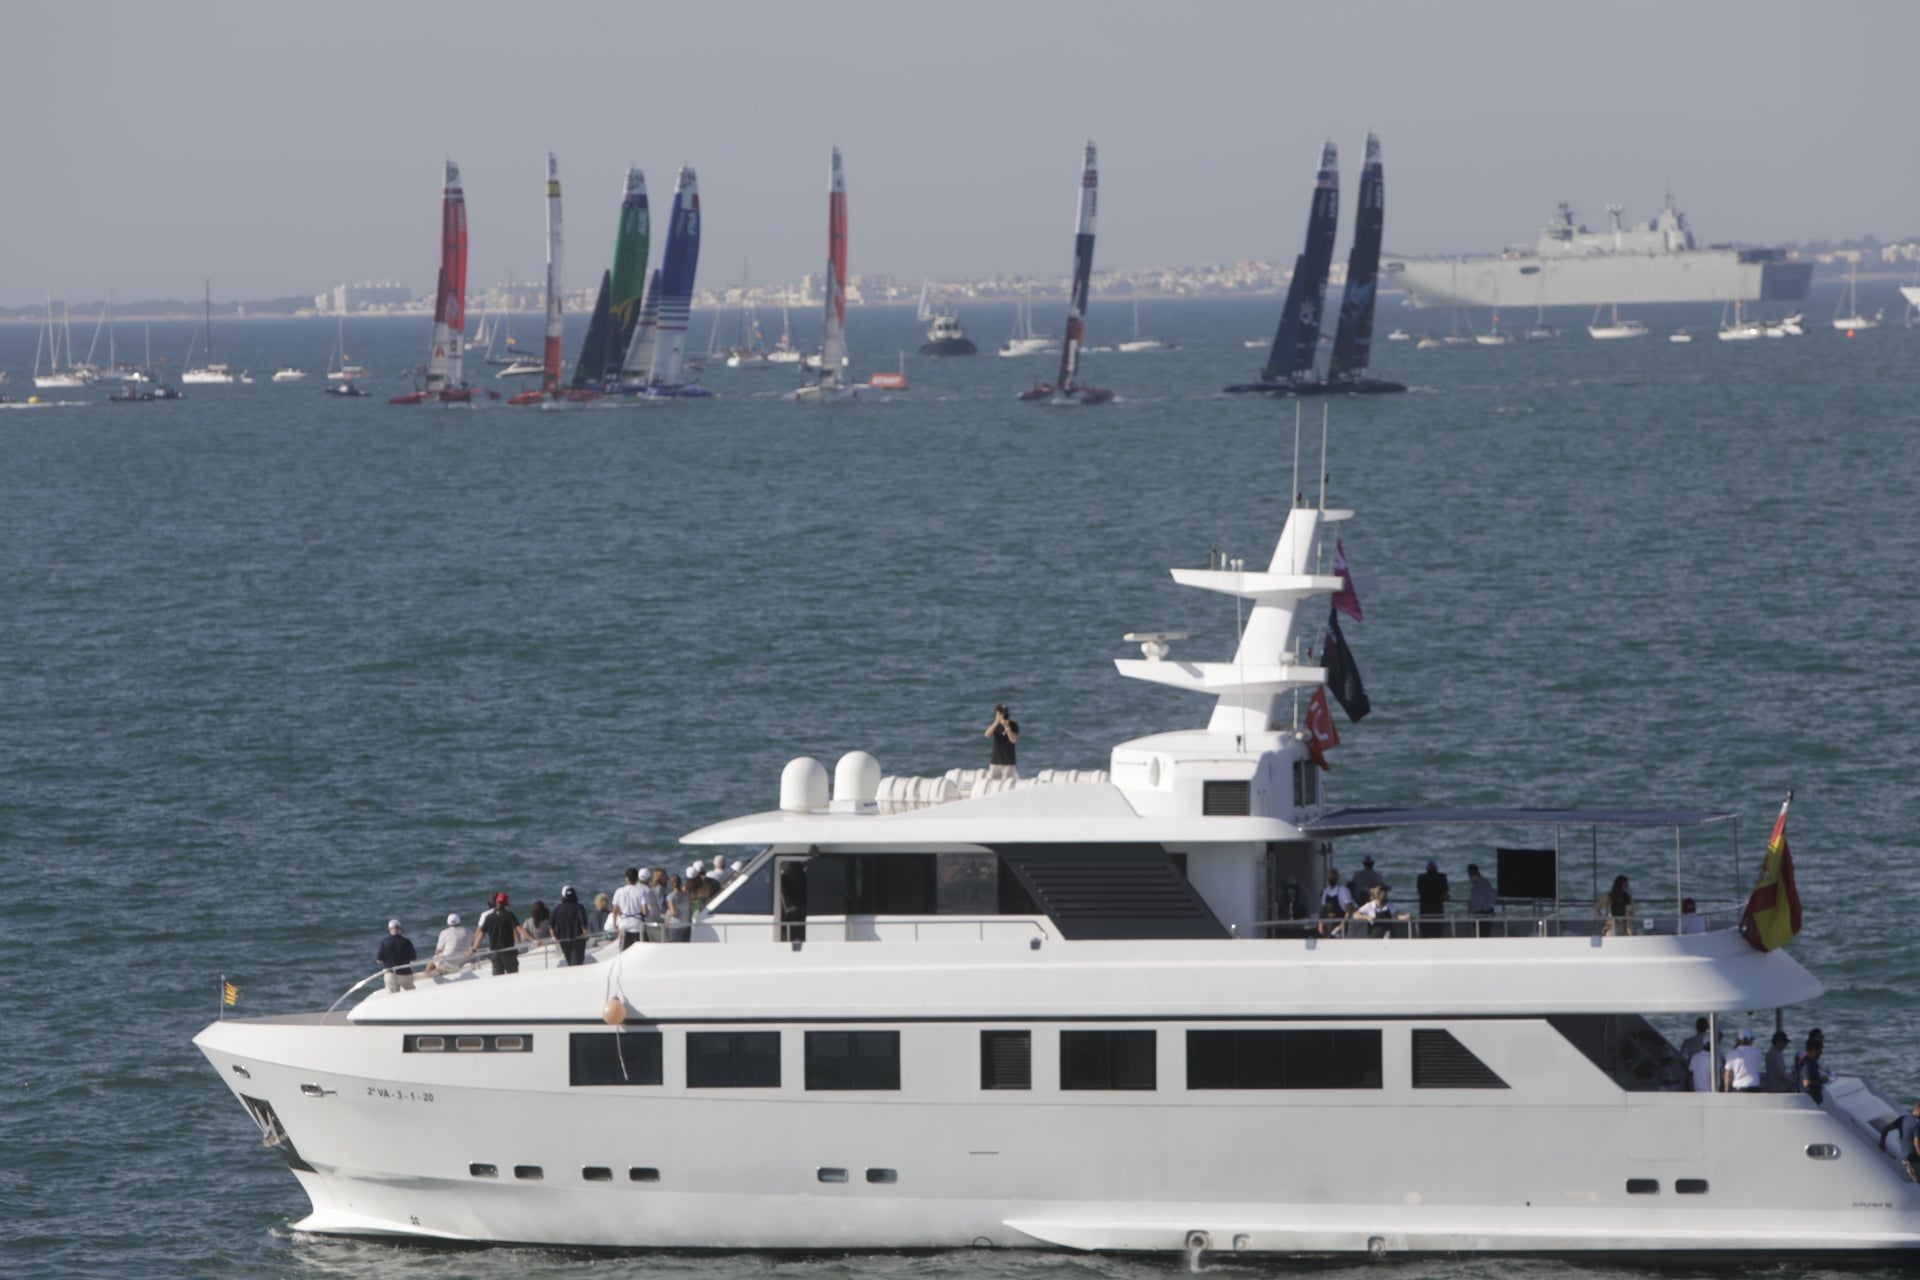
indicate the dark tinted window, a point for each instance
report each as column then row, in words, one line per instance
column 1006, row 1060
column 853, row 1059
column 1691, row 1186
column 613, row 1057
column 733, row 1059
column 1304, row 1059
column 1643, row 1186
column 1107, row 1060
column 1626, row 1047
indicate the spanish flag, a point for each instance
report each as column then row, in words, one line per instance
column 229, row 994
column 1773, row 912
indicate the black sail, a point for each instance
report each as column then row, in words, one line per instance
column 1296, row 342
column 1353, row 340
column 591, row 369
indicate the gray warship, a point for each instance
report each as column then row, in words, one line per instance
column 1572, row 266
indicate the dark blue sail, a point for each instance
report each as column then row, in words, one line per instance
column 1297, row 340
column 1353, row 339
column 1082, row 271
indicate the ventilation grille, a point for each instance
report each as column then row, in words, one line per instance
column 1006, row 1060
column 1441, row 1062
column 1112, row 891
column 1226, row 799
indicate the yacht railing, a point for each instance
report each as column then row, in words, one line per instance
column 1508, row 924
column 884, row 929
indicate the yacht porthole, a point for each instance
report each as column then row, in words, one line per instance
column 470, row 1044
column 1823, row 1151
column 832, row 1175
column 483, row 1170
column 509, row 1044
column 883, row 1175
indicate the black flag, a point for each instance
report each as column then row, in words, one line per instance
column 1343, row 673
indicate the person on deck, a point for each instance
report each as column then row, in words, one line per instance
column 450, row 951
column 1005, row 732
column 630, row 909
column 1813, row 1076
column 1336, row 903
column 396, row 956
column 1379, row 913
column 1433, row 891
column 502, row 935
column 1742, row 1071
column 570, row 927
column 1776, row 1076
column 1365, row 880
column 1482, row 898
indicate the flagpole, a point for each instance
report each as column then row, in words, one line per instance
column 1294, row 500
column 1324, row 409
column 223, row 997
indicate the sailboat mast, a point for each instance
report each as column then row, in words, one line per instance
column 550, row 381
column 678, row 264
column 1353, row 338
column 1082, row 270
column 833, row 347
column 444, row 369
column 1296, row 342
column 209, row 323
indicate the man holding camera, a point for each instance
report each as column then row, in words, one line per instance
column 1005, row 731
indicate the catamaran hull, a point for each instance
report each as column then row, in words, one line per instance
column 385, row 1144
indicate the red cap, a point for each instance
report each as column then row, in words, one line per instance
column 499, row 899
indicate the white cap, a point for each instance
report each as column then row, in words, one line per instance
column 1746, row 1034
column 393, row 924
column 453, row 917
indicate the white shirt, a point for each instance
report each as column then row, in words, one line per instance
column 1743, row 1061
column 453, row 944
column 629, row 907
column 1693, row 922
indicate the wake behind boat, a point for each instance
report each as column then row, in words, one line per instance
column 1088, row 1010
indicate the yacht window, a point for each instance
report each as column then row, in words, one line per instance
column 1302, row 1059
column 1626, row 1047
column 529, row 1172
column 597, row 1173
column 483, row 1170
column 468, row 1044
column 864, row 884
column 426, row 1044
column 614, row 1057
column 1006, row 1059
column 966, row 884
column 1107, row 1060
column 751, row 896
column 1442, row 1062
column 1643, row 1186
column 733, row 1059
column 831, row 1175
column 853, row 1059
column 888, row 1176
column 1690, row 1186
column 640, row 1174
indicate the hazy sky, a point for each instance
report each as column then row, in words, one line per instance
column 281, row 147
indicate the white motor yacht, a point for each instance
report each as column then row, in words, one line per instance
column 290, row 375
column 1085, row 1010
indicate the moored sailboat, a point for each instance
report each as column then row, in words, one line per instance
column 1065, row 388
column 1615, row 326
column 212, row 373
column 1847, row 317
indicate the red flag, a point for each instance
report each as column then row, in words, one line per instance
column 1346, row 599
column 1773, row 912
column 1321, row 735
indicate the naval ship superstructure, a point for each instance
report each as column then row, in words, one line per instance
column 1571, row 266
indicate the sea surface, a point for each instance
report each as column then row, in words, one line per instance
column 276, row 666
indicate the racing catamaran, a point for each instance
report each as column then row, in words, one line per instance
column 446, row 383
column 1066, row 388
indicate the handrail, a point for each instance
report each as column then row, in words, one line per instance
column 1560, row 924
column 834, row 928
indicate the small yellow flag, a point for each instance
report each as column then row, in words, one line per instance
column 231, row 995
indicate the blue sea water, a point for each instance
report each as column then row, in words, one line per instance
column 276, row 666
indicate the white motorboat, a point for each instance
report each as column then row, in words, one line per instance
column 1680, row 335
column 524, row 367
column 290, row 374
column 1393, row 335
column 1085, row 1010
